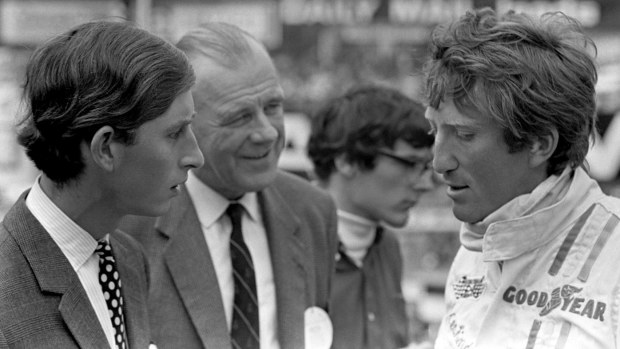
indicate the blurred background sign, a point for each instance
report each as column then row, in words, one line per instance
column 369, row 11
column 260, row 18
column 29, row 22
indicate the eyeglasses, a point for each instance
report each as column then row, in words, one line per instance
column 420, row 165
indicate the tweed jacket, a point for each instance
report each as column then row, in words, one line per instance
column 185, row 301
column 43, row 303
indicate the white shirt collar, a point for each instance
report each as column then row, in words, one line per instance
column 210, row 205
column 74, row 242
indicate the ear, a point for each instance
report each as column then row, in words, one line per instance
column 542, row 149
column 344, row 166
column 104, row 150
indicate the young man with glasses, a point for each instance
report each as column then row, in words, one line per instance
column 371, row 150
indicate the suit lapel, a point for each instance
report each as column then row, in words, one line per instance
column 189, row 260
column 81, row 319
column 289, row 258
column 55, row 274
column 134, row 292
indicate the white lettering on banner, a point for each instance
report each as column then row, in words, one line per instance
column 427, row 11
column 361, row 11
column 587, row 12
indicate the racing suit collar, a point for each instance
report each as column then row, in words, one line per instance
column 529, row 220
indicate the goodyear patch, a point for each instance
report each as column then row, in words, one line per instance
column 564, row 298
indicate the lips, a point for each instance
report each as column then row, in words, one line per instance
column 455, row 191
column 177, row 187
column 257, row 156
column 407, row 205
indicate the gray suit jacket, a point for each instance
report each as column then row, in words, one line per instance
column 185, row 302
column 43, row 303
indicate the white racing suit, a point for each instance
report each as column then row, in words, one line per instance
column 543, row 271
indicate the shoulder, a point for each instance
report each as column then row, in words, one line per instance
column 389, row 239
column 127, row 240
column 295, row 188
column 308, row 203
column 389, row 245
column 17, row 280
column 136, row 228
column 11, row 256
column 17, row 223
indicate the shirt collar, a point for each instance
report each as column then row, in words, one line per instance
column 531, row 220
column 356, row 232
column 74, row 242
column 210, row 205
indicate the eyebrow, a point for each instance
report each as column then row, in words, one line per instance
column 182, row 122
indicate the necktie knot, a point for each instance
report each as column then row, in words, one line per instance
column 104, row 250
column 235, row 212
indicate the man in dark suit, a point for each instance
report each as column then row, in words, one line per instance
column 108, row 124
column 288, row 225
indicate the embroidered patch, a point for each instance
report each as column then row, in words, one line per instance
column 469, row 287
column 564, row 298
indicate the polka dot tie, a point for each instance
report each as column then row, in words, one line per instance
column 111, row 286
column 244, row 331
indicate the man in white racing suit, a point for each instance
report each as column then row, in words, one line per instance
column 511, row 102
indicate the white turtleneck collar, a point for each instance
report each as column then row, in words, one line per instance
column 356, row 234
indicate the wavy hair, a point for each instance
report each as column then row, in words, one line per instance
column 530, row 75
column 96, row 74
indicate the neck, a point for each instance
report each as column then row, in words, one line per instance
column 83, row 203
column 355, row 228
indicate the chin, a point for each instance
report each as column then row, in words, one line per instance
column 398, row 222
column 467, row 217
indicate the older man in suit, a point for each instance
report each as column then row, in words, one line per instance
column 288, row 225
column 108, row 125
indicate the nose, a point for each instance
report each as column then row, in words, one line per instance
column 443, row 157
column 265, row 130
column 192, row 157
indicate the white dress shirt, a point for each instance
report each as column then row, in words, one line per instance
column 79, row 248
column 210, row 208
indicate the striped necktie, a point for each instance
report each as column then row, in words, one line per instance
column 244, row 330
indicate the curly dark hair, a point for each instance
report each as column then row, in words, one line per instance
column 361, row 121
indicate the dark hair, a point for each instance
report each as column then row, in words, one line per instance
column 96, row 74
column 361, row 121
column 529, row 75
